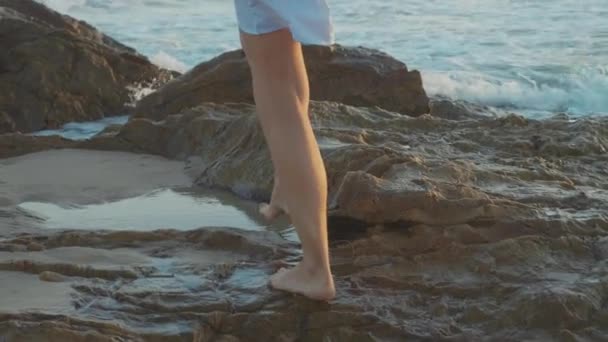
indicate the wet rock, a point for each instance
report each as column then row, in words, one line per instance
column 142, row 135
column 51, row 277
column 460, row 110
column 56, row 69
column 35, row 246
column 11, row 247
column 368, row 198
column 40, row 327
column 6, row 123
column 417, row 282
column 28, row 266
column 236, row 240
column 384, row 167
column 354, row 76
column 476, row 229
column 16, row 144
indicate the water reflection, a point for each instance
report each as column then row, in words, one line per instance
column 182, row 209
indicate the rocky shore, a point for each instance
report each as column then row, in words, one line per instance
column 448, row 221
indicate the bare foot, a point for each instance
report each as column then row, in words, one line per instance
column 277, row 206
column 271, row 211
column 316, row 284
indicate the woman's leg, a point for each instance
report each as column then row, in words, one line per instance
column 280, row 86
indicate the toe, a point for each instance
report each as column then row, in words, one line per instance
column 270, row 212
column 280, row 271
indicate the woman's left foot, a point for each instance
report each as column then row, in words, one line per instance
column 276, row 207
column 271, row 211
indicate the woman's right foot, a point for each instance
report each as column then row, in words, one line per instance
column 317, row 284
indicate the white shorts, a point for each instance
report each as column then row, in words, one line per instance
column 308, row 20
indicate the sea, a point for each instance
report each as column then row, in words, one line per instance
column 533, row 57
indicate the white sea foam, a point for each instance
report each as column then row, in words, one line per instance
column 137, row 92
column 166, row 61
column 578, row 93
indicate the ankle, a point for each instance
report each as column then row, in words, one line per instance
column 315, row 269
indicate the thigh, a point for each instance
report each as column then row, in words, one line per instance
column 270, row 53
column 278, row 70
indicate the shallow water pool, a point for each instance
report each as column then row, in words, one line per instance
column 181, row 209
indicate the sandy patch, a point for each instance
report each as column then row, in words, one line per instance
column 84, row 177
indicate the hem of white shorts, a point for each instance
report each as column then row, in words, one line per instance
column 325, row 42
column 262, row 32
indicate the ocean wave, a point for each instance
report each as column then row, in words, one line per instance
column 579, row 93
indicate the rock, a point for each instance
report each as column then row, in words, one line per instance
column 416, row 282
column 6, row 123
column 384, row 167
column 12, row 247
column 354, row 76
column 374, row 200
column 460, row 110
column 51, row 277
column 55, row 69
column 427, row 215
column 255, row 244
column 16, row 144
column 35, row 247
